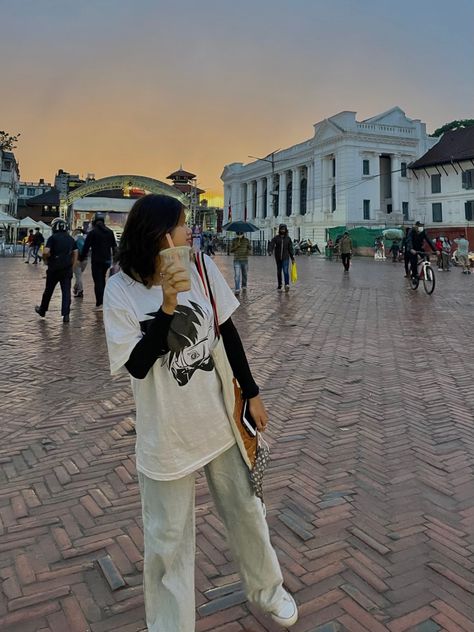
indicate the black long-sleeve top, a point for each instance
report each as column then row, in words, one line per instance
column 415, row 240
column 102, row 241
column 154, row 344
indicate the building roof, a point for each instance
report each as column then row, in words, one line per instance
column 188, row 188
column 48, row 198
column 115, row 193
column 181, row 173
column 455, row 145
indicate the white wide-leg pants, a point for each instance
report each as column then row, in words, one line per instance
column 169, row 533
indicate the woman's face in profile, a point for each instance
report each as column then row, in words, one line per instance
column 181, row 235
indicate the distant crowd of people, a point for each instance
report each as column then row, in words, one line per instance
column 66, row 256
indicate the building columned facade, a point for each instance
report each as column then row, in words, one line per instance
column 349, row 173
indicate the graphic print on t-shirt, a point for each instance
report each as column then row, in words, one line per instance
column 189, row 341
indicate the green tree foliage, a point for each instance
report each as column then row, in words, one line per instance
column 7, row 141
column 453, row 125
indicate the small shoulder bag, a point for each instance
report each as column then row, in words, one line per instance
column 253, row 448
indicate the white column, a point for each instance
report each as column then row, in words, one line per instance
column 309, row 188
column 234, row 199
column 260, row 190
column 394, row 168
column 295, row 200
column 242, row 200
column 269, row 196
column 249, row 201
column 282, row 196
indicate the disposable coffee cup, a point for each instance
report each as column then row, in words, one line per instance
column 180, row 255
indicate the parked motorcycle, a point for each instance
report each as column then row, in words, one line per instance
column 309, row 248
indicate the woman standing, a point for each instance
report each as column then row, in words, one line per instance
column 160, row 327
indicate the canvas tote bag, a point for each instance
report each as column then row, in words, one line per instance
column 254, row 449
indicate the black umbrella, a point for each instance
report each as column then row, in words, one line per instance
column 240, row 227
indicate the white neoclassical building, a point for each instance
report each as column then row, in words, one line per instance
column 349, row 173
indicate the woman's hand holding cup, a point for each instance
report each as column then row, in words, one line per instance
column 175, row 277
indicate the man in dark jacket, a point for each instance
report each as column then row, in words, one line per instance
column 282, row 246
column 102, row 241
column 38, row 240
column 60, row 255
column 415, row 241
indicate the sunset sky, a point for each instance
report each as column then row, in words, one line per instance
column 139, row 87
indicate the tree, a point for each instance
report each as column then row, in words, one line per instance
column 7, row 141
column 453, row 125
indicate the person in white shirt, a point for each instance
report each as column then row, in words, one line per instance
column 161, row 329
column 462, row 254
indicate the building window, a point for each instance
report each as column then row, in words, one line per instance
column 333, row 198
column 366, row 209
column 403, row 169
column 436, row 183
column 289, row 198
column 30, row 191
column 437, row 212
column 303, row 195
column 333, row 167
column 7, row 165
column 389, row 208
column 468, row 179
column 469, row 210
column 405, row 210
column 21, row 190
column 366, row 167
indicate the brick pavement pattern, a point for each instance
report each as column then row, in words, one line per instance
column 370, row 492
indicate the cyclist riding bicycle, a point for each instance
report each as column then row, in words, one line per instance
column 415, row 240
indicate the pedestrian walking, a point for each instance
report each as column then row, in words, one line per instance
column 60, row 255
column 379, row 252
column 462, row 253
column 162, row 327
column 30, row 245
column 241, row 249
column 79, row 268
column 330, row 249
column 406, row 252
column 446, row 254
column 102, row 242
column 439, row 253
column 282, row 247
column 345, row 246
column 395, row 249
column 38, row 241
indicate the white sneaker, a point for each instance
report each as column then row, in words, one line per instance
column 286, row 612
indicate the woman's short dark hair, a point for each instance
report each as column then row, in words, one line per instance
column 150, row 218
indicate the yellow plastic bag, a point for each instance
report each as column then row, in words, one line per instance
column 294, row 272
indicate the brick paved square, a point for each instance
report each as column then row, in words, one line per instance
column 370, row 492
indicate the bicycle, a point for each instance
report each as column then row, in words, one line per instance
column 425, row 273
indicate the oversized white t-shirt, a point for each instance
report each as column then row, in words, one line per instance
column 181, row 419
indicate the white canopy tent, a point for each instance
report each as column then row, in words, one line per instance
column 8, row 232
column 7, row 220
column 27, row 222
